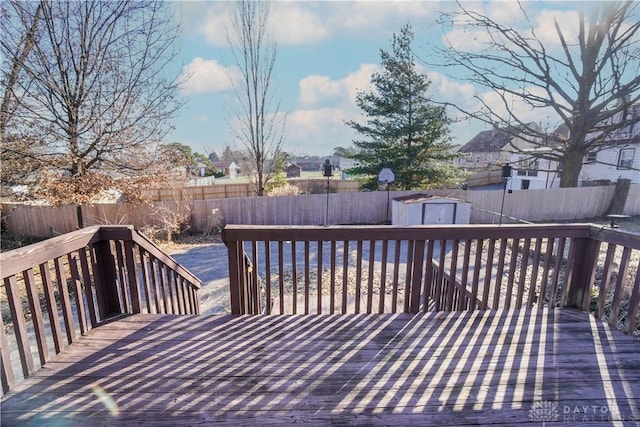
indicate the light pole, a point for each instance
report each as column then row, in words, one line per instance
column 328, row 172
column 506, row 174
column 386, row 177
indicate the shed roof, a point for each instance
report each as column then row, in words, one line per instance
column 421, row 197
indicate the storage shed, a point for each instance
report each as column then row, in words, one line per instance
column 419, row 209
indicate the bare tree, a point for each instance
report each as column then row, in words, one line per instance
column 590, row 82
column 92, row 85
column 18, row 153
column 259, row 126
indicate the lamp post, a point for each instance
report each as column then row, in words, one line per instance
column 386, row 177
column 506, row 174
column 327, row 171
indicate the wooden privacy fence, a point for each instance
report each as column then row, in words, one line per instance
column 564, row 204
column 56, row 290
column 381, row 269
column 244, row 189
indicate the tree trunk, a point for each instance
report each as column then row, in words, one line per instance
column 572, row 165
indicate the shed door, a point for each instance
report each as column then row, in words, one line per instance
column 439, row 213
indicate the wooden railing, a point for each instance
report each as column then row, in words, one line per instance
column 58, row 289
column 366, row 269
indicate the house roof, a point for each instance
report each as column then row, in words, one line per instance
column 224, row 165
column 487, row 141
column 495, row 139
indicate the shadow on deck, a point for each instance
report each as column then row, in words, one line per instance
column 461, row 368
column 103, row 329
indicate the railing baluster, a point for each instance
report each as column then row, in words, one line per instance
column 281, row 277
column 65, row 302
column 267, row 276
column 332, row 289
column 294, row 277
column 358, row 275
column 524, row 262
column 556, row 272
column 132, row 276
column 319, row 301
column 477, row 265
column 36, row 315
column 396, row 274
column 428, row 277
column 515, row 246
column 617, row 295
column 453, row 267
column 7, row 377
column 534, row 273
column 345, row 274
column 605, row 280
column 124, row 294
column 144, row 263
column 497, row 292
column 88, row 287
column 486, row 291
column 372, row 263
column 255, row 283
column 307, row 276
column 19, row 324
column 634, row 305
column 383, row 275
column 52, row 307
column 546, row 271
column 416, row 275
column 408, row 273
column 79, row 300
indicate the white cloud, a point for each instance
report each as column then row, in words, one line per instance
column 318, row 131
column 207, row 76
column 290, row 24
column 307, row 22
column 214, row 22
column 316, row 89
column 546, row 30
column 524, row 112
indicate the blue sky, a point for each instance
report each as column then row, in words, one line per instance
column 327, row 51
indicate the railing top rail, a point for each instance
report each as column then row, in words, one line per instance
column 236, row 232
column 617, row 236
column 141, row 240
column 17, row 260
column 14, row 261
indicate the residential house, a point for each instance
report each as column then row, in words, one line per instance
column 293, row 171
column 229, row 169
column 620, row 158
column 486, row 150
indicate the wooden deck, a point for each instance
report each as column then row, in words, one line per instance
column 461, row 368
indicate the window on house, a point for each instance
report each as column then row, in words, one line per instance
column 528, row 167
column 590, row 157
column 625, row 158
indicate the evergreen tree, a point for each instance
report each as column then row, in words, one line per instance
column 403, row 130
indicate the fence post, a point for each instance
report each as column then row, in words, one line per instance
column 106, row 270
column 581, row 270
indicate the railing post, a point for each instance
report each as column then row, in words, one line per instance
column 236, row 276
column 581, row 273
column 106, row 271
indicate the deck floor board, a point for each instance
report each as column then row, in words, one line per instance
column 467, row 368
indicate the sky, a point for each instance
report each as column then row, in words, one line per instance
column 327, row 51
